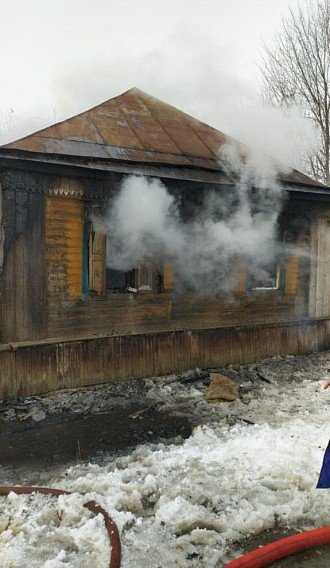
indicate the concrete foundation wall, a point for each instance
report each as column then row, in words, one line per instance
column 41, row 366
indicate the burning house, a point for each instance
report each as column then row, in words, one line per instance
column 78, row 310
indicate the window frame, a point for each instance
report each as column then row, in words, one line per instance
column 279, row 290
column 278, row 271
column 133, row 275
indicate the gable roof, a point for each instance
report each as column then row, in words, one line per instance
column 136, row 128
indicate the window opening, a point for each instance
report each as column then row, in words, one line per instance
column 269, row 279
column 103, row 277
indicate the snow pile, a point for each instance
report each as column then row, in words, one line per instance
column 178, row 505
column 39, row 530
column 186, row 504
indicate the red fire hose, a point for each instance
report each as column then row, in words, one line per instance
column 256, row 559
column 281, row 548
column 110, row 524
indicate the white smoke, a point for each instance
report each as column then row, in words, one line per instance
column 235, row 227
column 221, row 90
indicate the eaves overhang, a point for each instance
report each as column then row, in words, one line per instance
column 34, row 161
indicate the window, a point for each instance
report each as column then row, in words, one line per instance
column 115, row 279
column 268, row 278
column 146, row 277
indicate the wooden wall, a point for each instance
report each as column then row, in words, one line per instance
column 23, row 292
column 34, row 368
column 149, row 312
column 120, row 313
column 63, row 248
column 319, row 299
column 68, row 315
column 42, row 279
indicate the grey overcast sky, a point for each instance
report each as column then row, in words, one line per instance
column 60, row 57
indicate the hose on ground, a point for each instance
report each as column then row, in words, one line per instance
column 282, row 548
column 258, row 558
column 92, row 506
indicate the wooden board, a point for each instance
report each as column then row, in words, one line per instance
column 168, row 276
column 291, row 275
column 320, row 273
column 35, row 368
column 97, row 262
column 23, row 300
column 241, row 282
column 64, row 247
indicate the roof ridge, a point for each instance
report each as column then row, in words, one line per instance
column 37, row 132
column 132, row 122
column 140, row 93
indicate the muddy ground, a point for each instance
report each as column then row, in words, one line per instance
column 71, row 425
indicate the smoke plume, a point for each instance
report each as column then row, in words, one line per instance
column 234, row 228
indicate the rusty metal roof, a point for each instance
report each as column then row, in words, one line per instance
column 136, row 128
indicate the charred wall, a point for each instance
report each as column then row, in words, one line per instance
column 38, row 367
column 23, row 294
column 26, row 278
column 43, row 216
column 149, row 312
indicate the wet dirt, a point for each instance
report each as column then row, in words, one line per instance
column 70, row 438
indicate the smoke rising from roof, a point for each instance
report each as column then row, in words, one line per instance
column 233, row 228
column 186, row 69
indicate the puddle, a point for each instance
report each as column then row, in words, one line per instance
column 69, row 438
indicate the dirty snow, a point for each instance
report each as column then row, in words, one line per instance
column 192, row 502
